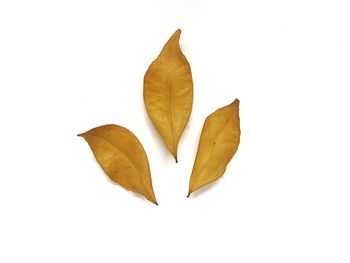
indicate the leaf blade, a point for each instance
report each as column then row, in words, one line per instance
column 218, row 143
column 122, row 157
column 168, row 93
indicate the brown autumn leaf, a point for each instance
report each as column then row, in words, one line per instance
column 122, row 158
column 168, row 92
column 218, row 143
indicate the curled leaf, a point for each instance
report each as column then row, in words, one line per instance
column 168, row 93
column 122, row 158
column 218, row 143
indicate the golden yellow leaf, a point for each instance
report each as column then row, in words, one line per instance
column 168, row 92
column 122, row 158
column 218, row 143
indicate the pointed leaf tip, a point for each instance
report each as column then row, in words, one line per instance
column 178, row 33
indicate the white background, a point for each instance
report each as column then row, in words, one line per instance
column 68, row 66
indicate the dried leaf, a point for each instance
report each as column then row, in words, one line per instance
column 218, row 143
column 122, row 158
column 168, row 93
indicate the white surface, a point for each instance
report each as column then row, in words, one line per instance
column 68, row 66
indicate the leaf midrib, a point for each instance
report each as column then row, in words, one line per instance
column 211, row 149
column 171, row 119
column 125, row 156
